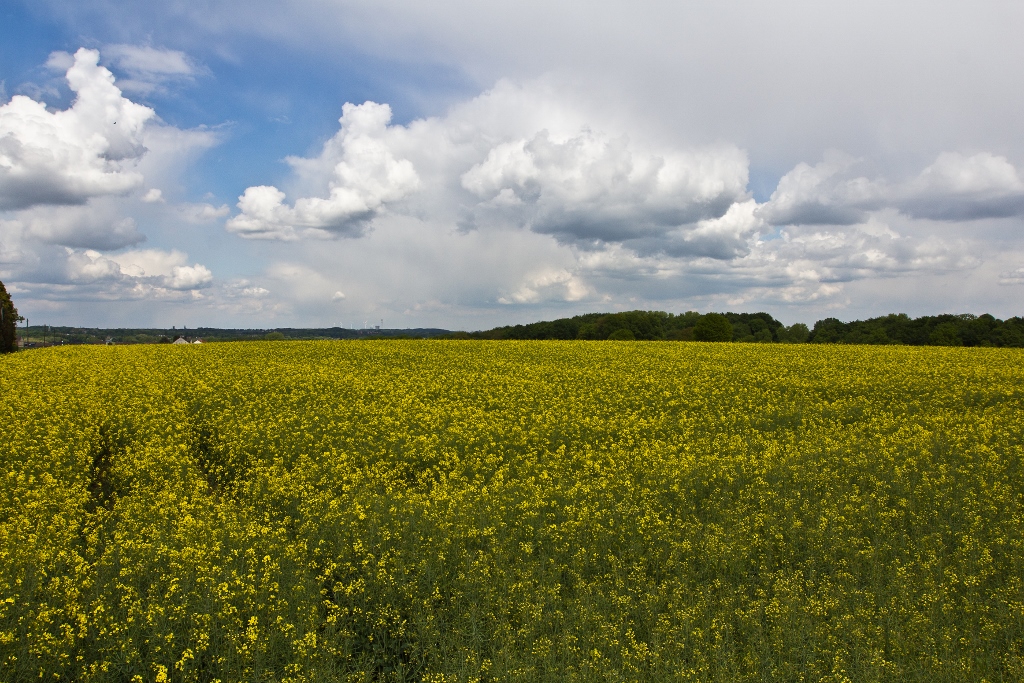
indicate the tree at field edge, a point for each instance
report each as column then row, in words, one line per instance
column 713, row 327
column 9, row 318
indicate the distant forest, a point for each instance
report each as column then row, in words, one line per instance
column 934, row 330
column 937, row 330
column 49, row 335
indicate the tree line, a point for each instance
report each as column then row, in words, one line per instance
column 898, row 328
column 935, row 330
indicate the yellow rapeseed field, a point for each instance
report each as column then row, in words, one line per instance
column 511, row 511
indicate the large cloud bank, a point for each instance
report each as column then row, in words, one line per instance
column 523, row 196
column 506, row 159
column 587, row 186
column 627, row 212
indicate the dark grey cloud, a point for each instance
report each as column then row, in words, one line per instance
column 591, row 188
column 97, row 225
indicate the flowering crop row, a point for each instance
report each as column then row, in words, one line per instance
column 511, row 511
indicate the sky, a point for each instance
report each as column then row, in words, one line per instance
column 463, row 165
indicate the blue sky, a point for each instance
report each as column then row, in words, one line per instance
column 311, row 163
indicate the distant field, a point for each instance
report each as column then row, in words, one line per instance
column 512, row 511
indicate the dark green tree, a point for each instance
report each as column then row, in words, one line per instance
column 946, row 334
column 741, row 331
column 797, row 333
column 713, row 327
column 622, row 334
column 9, row 318
column 828, row 331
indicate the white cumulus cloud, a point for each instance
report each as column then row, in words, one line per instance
column 136, row 273
column 365, row 177
column 69, row 156
column 168, row 269
column 823, row 194
column 550, row 284
column 188, row 277
column 955, row 187
column 91, row 266
column 960, row 188
column 726, row 237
